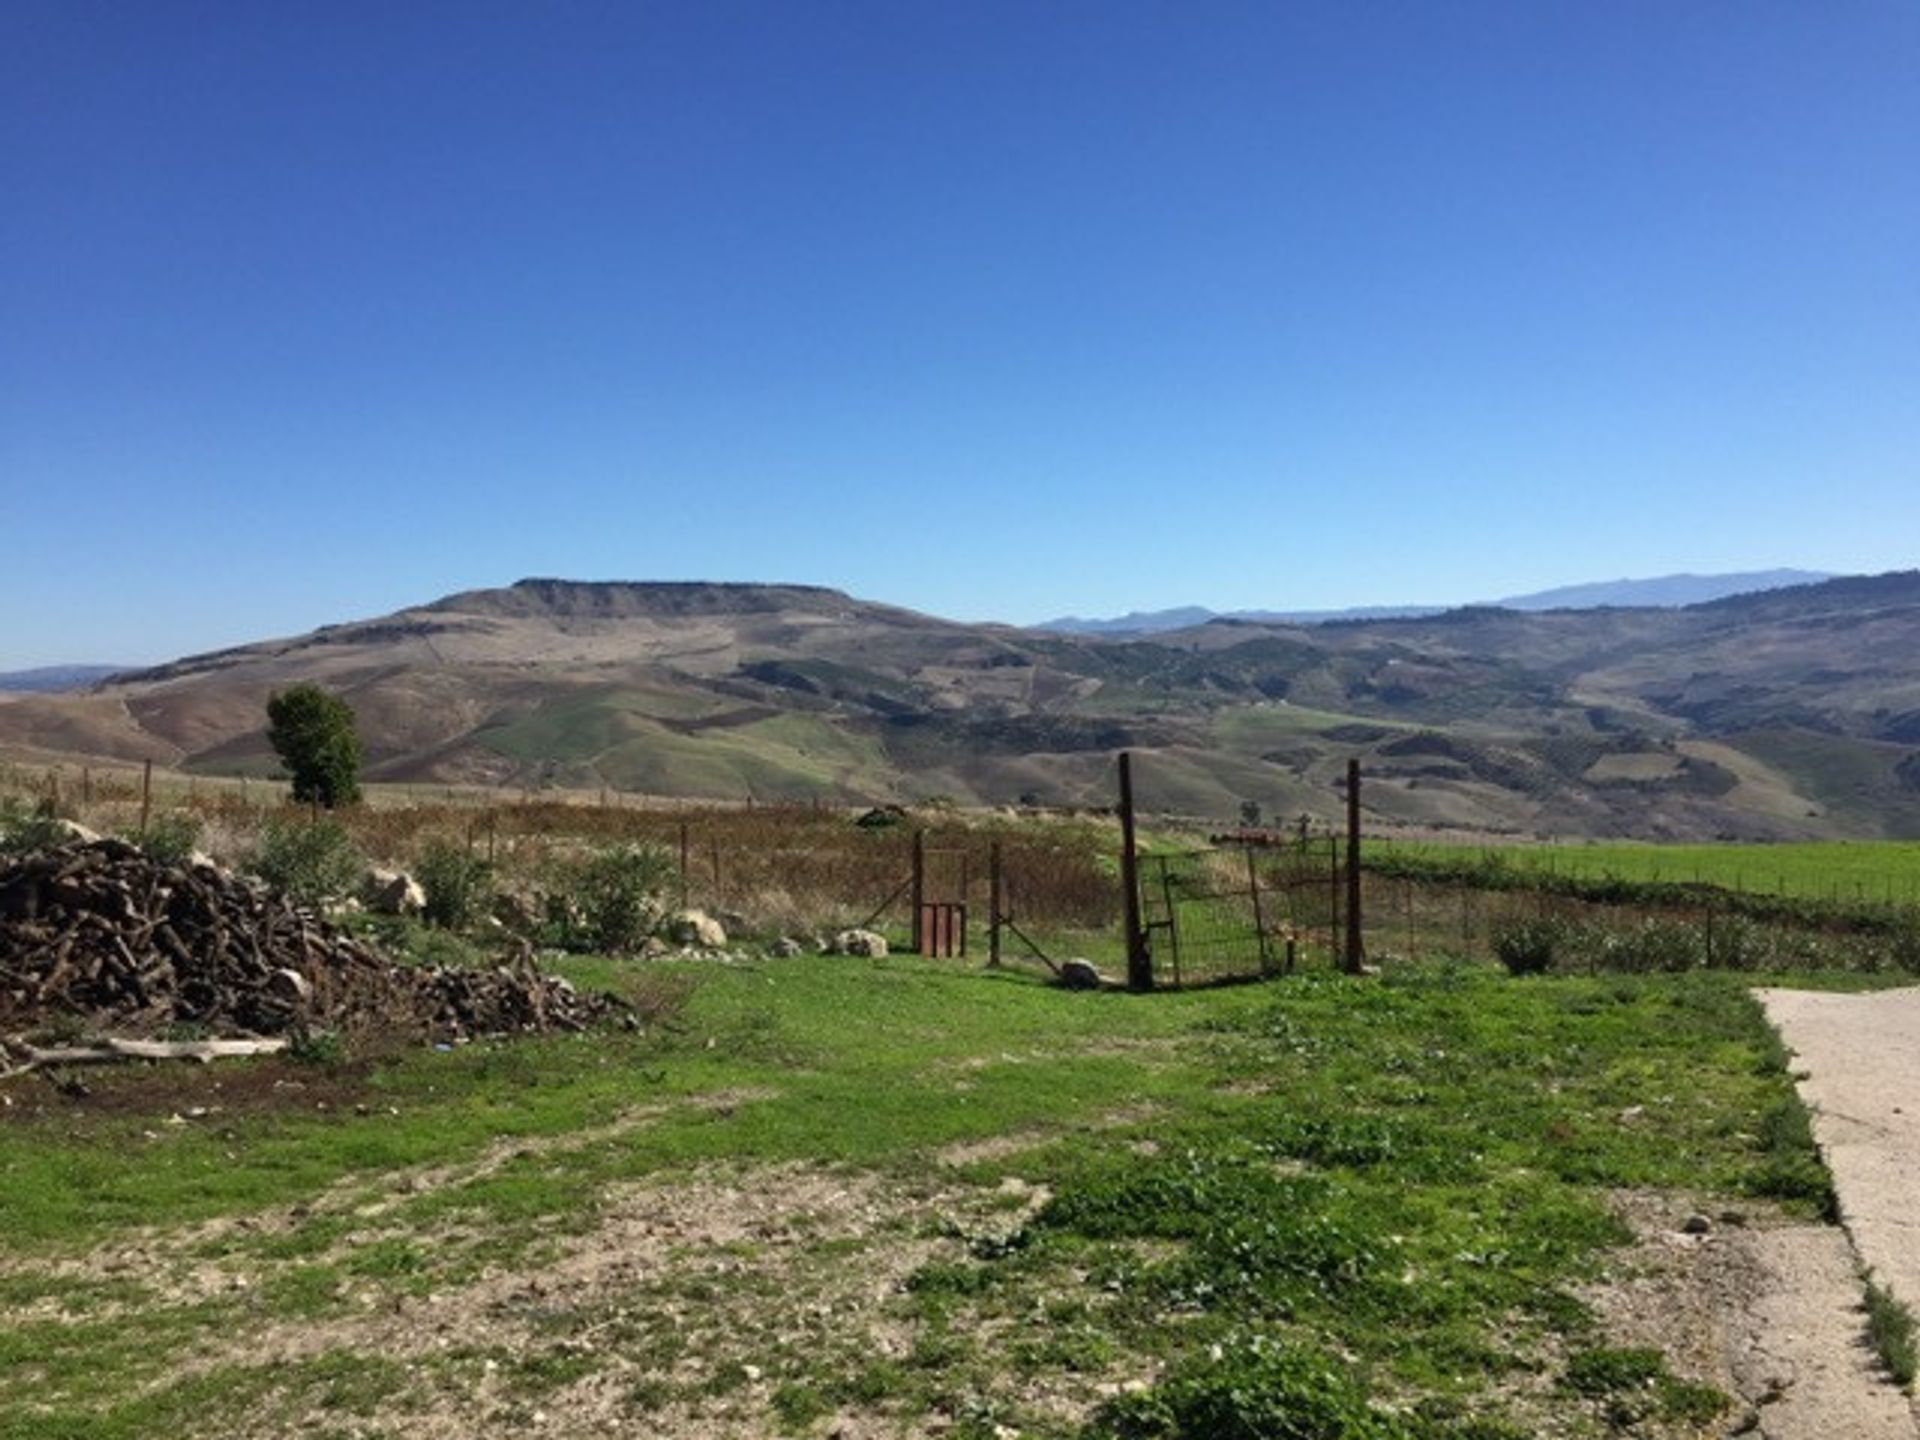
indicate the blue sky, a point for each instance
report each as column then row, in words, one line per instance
column 309, row 311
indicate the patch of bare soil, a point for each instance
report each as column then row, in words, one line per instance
column 1761, row 1307
column 263, row 1085
column 684, row 1309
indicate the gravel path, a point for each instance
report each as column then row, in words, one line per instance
column 1858, row 1063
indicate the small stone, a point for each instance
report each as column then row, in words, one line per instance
column 1078, row 974
column 1696, row 1224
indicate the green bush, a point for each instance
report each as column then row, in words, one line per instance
column 1652, row 946
column 1528, row 947
column 458, row 885
column 312, row 861
column 611, row 900
column 24, row 831
column 172, row 838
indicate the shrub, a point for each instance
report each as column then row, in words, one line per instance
column 1528, row 947
column 458, row 885
column 1666, row 946
column 22, row 831
column 172, row 839
column 612, row 900
column 313, row 861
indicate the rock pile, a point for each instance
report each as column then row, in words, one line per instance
column 101, row 931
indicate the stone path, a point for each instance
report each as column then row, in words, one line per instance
column 1857, row 1059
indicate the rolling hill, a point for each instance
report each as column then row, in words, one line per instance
column 1791, row 712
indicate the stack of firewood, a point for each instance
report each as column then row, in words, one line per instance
column 102, row 932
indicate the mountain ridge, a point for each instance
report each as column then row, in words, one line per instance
column 1792, row 712
column 1661, row 591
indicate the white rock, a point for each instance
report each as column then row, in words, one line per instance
column 696, row 927
column 393, row 892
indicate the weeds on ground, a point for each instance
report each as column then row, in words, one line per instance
column 1357, row 1207
column 1634, row 1385
column 1892, row 1333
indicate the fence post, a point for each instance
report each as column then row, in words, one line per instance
column 683, row 864
column 993, row 906
column 919, row 887
column 1333, row 897
column 146, row 795
column 1356, row 945
column 1259, row 920
column 1139, row 961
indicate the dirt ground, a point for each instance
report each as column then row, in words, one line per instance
column 1764, row 1308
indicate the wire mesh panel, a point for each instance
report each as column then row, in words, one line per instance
column 1209, row 915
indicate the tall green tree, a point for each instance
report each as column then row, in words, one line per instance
column 312, row 731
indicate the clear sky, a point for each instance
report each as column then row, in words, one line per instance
column 999, row 310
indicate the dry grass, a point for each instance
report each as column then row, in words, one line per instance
column 782, row 866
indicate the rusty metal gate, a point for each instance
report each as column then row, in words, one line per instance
column 941, row 880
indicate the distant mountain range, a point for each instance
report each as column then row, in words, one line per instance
column 49, row 678
column 1662, row 591
column 1790, row 712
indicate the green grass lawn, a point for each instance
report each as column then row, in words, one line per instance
column 932, row 1197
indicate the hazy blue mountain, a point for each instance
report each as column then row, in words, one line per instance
column 1662, row 591
column 51, row 678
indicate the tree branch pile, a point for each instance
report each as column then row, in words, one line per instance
column 102, row 932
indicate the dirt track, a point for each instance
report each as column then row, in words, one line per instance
column 1858, row 1063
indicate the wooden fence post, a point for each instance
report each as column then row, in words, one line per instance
column 919, row 887
column 993, row 906
column 1356, row 955
column 683, row 864
column 146, row 795
column 1139, row 960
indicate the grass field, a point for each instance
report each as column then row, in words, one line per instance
column 1870, row 871
column 896, row 1197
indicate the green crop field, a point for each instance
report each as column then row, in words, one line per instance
column 1871, row 871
